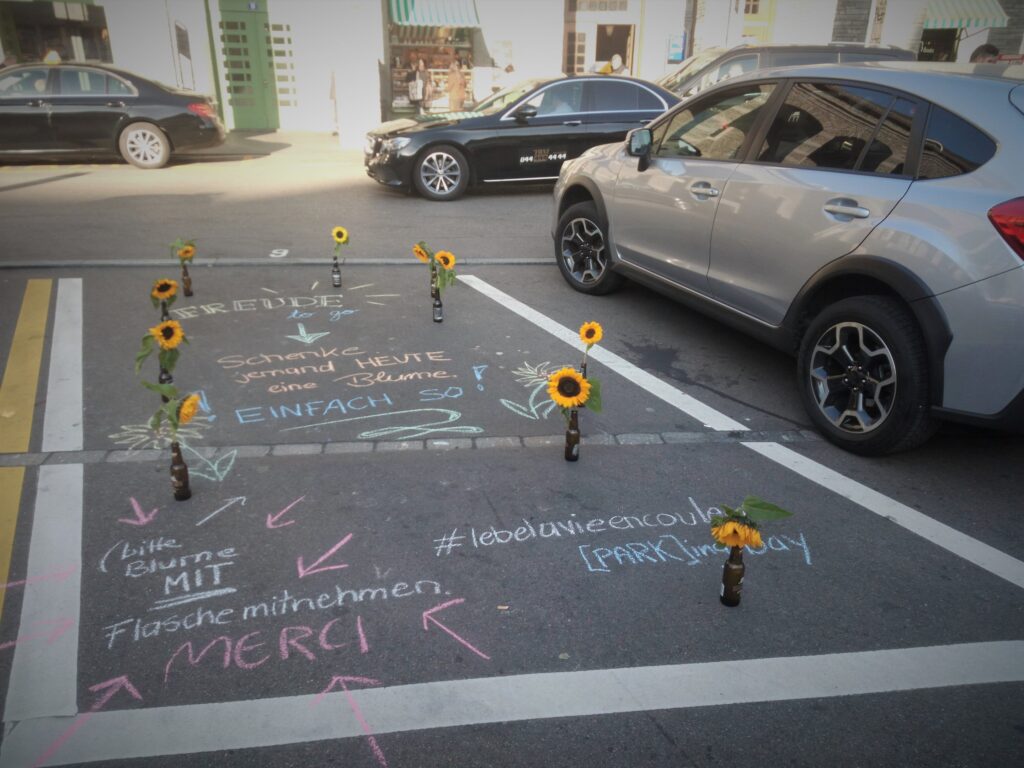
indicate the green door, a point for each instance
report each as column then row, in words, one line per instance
column 248, row 65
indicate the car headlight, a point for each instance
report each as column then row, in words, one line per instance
column 393, row 145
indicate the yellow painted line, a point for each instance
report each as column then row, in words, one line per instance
column 21, row 379
column 11, row 479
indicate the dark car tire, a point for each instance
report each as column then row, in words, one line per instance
column 582, row 250
column 441, row 173
column 866, row 353
column 144, row 145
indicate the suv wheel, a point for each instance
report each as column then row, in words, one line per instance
column 581, row 249
column 863, row 376
column 441, row 173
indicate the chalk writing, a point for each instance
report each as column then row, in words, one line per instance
column 138, row 629
column 430, row 395
column 534, row 377
column 405, row 432
column 368, row 379
column 336, row 314
column 667, row 548
column 204, row 406
column 310, row 409
column 253, row 305
column 317, row 566
column 141, row 517
column 428, row 616
column 272, row 520
column 478, row 371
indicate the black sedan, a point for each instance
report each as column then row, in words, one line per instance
column 83, row 109
column 523, row 134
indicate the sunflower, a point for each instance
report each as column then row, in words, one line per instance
column 187, row 252
column 168, row 335
column 188, row 409
column 735, row 534
column 591, row 333
column 164, row 289
column 445, row 259
column 568, row 388
column 340, row 235
column 419, row 253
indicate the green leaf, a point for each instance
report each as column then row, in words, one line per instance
column 146, row 351
column 154, row 423
column 155, row 300
column 763, row 511
column 169, row 358
column 717, row 520
column 730, row 511
column 594, row 401
column 164, row 390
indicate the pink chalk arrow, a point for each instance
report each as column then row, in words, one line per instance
column 141, row 518
column 55, row 576
column 60, row 628
column 111, row 687
column 317, row 567
column 342, row 681
column 429, row 616
column 272, row 519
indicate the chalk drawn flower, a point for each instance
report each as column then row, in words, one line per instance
column 137, row 437
column 445, row 259
column 420, row 253
column 188, row 409
column 164, row 289
column 340, row 235
column 591, row 333
column 568, row 388
column 168, row 334
column 187, row 252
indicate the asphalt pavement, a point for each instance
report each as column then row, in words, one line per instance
column 386, row 559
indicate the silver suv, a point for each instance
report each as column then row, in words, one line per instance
column 867, row 218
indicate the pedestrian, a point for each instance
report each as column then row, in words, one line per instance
column 456, row 87
column 421, row 89
column 986, row 53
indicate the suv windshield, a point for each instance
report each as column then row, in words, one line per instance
column 674, row 80
column 498, row 101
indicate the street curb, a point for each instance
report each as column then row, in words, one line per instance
column 264, row 262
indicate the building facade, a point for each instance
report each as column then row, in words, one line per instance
column 344, row 65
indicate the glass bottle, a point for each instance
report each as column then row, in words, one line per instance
column 572, row 437
column 336, row 274
column 732, row 578
column 179, row 474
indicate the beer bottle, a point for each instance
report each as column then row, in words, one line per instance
column 336, row 274
column 572, row 437
column 732, row 578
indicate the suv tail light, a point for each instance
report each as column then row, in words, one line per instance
column 202, row 109
column 1008, row 219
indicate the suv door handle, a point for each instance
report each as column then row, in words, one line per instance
column 844, row 207
column 573, row 122
column 703, row 189
column 35, row 103
column 118, row 104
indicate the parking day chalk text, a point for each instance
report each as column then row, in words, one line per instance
column 660, row 550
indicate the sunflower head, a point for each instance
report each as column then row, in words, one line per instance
column 568, row 388
column 421, row 254
column 340, row 235
column 188, row 409
column 168, row 334
column 591, row 333
column 733, row 533
column 187, row 252
column 446, row 259
column 164, row 289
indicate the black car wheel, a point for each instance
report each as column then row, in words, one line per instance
column 863, row 376
column 441, row 173
column 144, row 145
column 581, row 249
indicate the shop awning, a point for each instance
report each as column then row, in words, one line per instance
column 434, row 13
column 960, row 14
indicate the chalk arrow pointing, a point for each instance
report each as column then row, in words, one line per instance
column 429, row 616
column 316, row 567
column 112, row 687
column 141, row 518
column 272, row 519
column 307, row 338
column 342, row 681
column 227, row 503
column 55, row 576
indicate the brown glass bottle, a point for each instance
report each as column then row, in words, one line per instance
column 572, row 437
column 732, row 578
column 336, row 274
column 179, row 474
column 186, row 279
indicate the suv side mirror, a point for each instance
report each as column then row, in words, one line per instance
column 525, row 112
column 638, row 144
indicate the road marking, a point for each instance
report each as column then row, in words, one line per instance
column 62, row 422
column 960, row 544
column 141, row 733
column 44, row 676
column 11, row 481
column 706, row 415
column 18, row 390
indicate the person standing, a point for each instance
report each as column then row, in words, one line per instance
column 986, row 53
column 421, row 89
column 456, row 87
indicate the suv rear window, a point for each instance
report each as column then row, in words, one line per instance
column 952, row 146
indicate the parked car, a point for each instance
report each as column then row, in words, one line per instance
column 519, row 135
column 867, row 218
column 713, row 65
column 67, row 110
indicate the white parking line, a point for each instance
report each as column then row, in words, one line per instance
column 62, row 422
column 972, row 550
column 705, row 414
column 44, row 673
column 141, row 733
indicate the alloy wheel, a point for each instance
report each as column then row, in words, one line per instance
column 440, row 173
column 144, row 146
column 583, row 250
column 853, row 377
